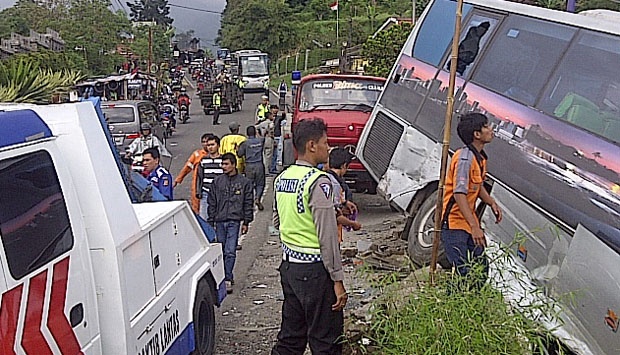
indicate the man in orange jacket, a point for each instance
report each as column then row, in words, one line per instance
column 193, row 162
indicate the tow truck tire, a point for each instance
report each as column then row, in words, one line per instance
column 204, row 319
column 420, row 236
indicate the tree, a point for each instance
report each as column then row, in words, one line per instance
column 383, row 50
column 151, row 10
column 183, row 38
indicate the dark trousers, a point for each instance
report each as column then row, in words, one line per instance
column 307, row 316
column 256, row 173
column 216, row 115
column 462, row 252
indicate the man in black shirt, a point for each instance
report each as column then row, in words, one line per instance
column 279, row 117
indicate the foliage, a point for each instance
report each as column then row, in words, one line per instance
column 160, row 47
column 151, row 10
column 183, row 38
column 383, row 50
column 23, row 81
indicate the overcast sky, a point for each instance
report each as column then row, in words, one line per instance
column 205, row 24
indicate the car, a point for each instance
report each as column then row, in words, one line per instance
column 125, row 117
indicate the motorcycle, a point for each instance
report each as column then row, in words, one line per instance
column 135, row 161
column 184, row 113
column 167, row 123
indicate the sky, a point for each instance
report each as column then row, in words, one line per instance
column 205, row 24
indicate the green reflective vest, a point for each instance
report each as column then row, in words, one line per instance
column 217, row 99
column 297, row 228
column 261, row 111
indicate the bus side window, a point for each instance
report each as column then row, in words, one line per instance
column 473, row 40
column 585, row 89
column 522, row 56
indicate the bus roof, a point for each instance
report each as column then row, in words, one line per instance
column 340, row 76
column 589, row 22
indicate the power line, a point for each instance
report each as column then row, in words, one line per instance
column 195, row 9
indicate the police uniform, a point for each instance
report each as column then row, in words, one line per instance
column 261, row 112
column 304, row 214
column 217, row 102
column 161, row 179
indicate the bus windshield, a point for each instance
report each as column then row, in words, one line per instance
column 339, row 94
column 255, row 65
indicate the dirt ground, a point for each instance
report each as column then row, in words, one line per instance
column 249, row 319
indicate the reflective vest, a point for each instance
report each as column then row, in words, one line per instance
column 261, row 111
column 217, row 100
column 297, row 228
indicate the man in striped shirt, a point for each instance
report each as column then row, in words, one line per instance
column 210, row 167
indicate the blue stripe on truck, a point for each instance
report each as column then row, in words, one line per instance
column 184, row 343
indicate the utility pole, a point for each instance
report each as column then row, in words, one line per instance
column 150, row 59
column 413, row 14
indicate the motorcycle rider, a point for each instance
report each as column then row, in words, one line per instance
column 184, row 99
column 171, row 111
column 145, row 141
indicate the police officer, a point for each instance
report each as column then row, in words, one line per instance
column 262, row 109
column 217, row 103
column 311, row 270
column 158, row 176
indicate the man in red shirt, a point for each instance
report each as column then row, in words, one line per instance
column 461, row 234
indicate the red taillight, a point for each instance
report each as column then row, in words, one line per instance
column 132, row 136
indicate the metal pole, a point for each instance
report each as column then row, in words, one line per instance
column 150, row 60
column 306, row 60
column 446, row 138
column 286, row 64
column 570, row 5
column 413, row 13
column 296, row 60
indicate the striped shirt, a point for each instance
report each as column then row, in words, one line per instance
column 208, row 170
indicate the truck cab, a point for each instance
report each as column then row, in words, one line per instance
column 82, row 268
column 345, row 103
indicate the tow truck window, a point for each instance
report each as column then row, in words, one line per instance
column 341, row 94
column 34, row 223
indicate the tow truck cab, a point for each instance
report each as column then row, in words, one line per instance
column 345, row 103
column 82, row 268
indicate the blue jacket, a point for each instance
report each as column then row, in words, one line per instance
column 162, row 180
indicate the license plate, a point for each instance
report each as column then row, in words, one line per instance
column 118, row 140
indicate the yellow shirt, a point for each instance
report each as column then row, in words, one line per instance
column 229, row 144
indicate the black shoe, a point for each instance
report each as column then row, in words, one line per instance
column 239, row 247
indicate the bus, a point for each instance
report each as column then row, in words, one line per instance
column 253, row 68
column 345, row 103
column 549, row 81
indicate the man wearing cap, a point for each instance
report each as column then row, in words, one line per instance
column 145, row 141
column 230, row 144
column 262, row 109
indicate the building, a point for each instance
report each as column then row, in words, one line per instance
column 17, row 43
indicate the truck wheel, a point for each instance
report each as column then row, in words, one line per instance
column 419, row 232
column 204, row 320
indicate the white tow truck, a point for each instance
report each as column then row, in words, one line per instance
column 83, row 270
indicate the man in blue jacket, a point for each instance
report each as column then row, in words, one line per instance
column 158, row 176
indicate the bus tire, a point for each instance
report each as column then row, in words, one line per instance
column 204, row 319
column 420, row 236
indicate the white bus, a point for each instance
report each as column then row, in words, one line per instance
column 253, row 68
column 549, row 82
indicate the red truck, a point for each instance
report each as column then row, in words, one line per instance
column 345, row 102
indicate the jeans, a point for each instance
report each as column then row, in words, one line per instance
column 277, row 155
column 462, row 252
column 204, row 206
column 227, row 233
column 307, row 316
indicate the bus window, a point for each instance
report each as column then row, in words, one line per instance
column 473, row 39
column 585, row 89
column 524, row 53
column 436, row 32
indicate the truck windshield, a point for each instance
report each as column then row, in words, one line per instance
column 254, row 65
column 115, row 114
column 339, row 94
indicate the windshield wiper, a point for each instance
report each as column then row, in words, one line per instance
column 362, row 106
column 314, row 107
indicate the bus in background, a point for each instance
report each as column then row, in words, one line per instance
column 345, row 103
column 254, row 68
column 549, row 82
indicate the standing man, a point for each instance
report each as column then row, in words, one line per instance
column 265, row 130
column 230, row 209
column 252, row 151
column 311, row 270
column 158, row 176
column 278, row 118
column 262, row 109
column 462, row 236
column 339, row 160
column 282, row 90
column 191, row 166
column 230, row 144
column 217, row 103
column 210, row 167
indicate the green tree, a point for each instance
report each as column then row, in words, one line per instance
column 183, row 38
column 151, row 10
column 383, row 50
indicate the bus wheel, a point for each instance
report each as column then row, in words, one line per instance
column 204, row 320
column 419, row 232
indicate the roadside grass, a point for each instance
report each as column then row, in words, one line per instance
column 457, row 315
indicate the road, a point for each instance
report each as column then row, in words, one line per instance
column 248, row 320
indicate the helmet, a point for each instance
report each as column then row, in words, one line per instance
column 145, row 126
column 183, row 89
column 168, row 109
